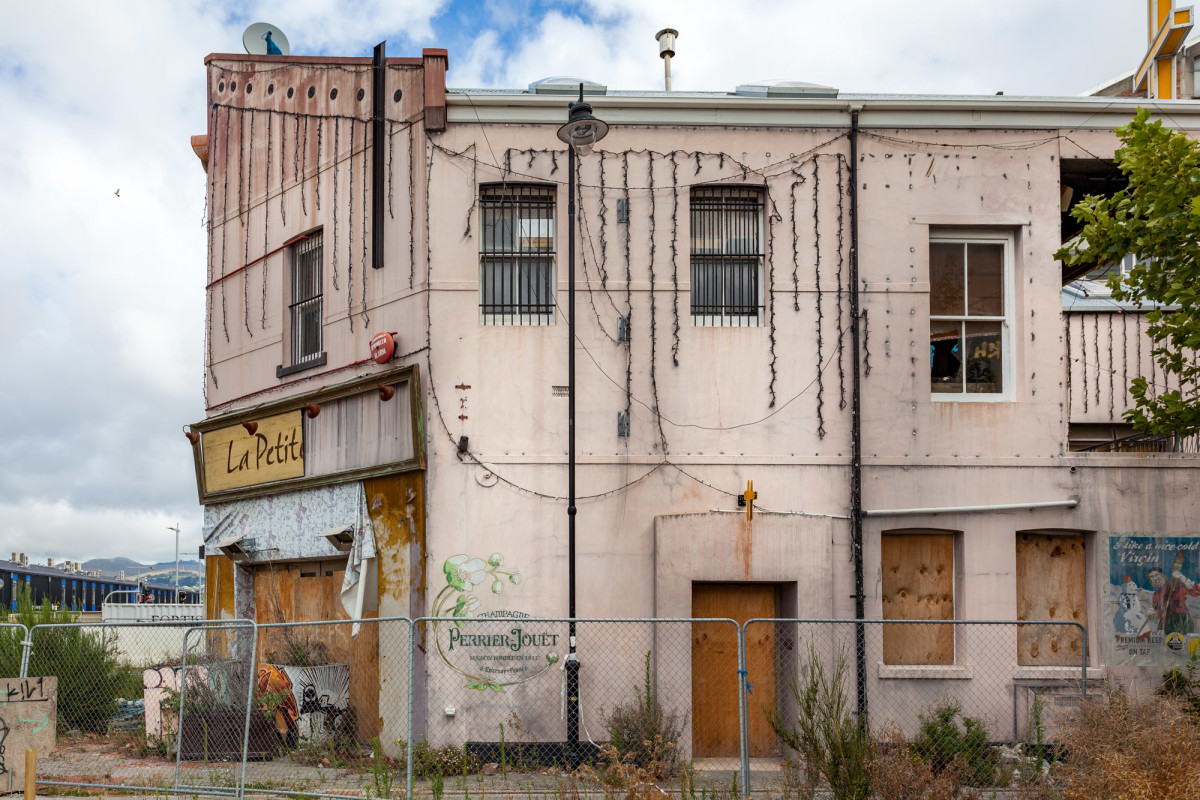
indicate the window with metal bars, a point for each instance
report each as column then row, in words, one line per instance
column 726, row 255
column 516, row 254
column 304, row 310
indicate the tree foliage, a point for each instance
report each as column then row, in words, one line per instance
column 1157, row 218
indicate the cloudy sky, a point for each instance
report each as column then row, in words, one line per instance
column 101, row 294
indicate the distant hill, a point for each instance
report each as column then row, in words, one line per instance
column 111, row 566
column 191, row 572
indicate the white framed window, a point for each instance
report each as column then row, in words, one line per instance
column 516, row 254
column 727, row 256
column 970, row 315
column 305, row 311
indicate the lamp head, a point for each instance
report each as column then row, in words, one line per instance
column 582, row 129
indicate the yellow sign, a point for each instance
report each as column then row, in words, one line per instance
column 233, row 457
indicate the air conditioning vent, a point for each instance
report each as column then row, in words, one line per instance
column 566, row 85
column 795, row 89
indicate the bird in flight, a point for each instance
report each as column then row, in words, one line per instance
column 117, row 192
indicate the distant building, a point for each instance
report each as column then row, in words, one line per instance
column 70, row 588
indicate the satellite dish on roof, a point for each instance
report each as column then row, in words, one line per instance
column 265, row 39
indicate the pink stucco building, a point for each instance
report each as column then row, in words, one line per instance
column 718, row 236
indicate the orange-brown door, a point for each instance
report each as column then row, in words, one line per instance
column 715, row 668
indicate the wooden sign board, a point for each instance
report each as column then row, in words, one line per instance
column 28, row 715
column 233, row 457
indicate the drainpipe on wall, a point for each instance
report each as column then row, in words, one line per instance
column 856, row 515
column 378, row 150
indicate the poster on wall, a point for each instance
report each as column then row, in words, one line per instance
column 1152, row 601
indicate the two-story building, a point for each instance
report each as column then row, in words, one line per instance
column 850, row 300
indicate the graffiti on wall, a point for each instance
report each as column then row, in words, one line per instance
column 492, row 648
column 1152, row 601
column 307, row 704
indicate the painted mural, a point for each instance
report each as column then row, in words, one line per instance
column 1152, row 603
column 311, row 704
column 492, row 648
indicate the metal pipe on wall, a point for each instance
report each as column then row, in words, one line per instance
column 856, row 511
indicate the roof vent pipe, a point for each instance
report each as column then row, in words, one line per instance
column 666, row 49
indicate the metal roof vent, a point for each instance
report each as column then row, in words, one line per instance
column 563, row 84
column 785, row 89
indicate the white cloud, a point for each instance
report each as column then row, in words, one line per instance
column 940, row 46
column 53, row 530
column 101, row 297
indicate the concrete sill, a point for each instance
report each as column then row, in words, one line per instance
column 1057, row 673
column 952, row 672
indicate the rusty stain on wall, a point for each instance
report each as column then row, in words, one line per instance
column 219, row 580
column 744, row 546
column 396, row 504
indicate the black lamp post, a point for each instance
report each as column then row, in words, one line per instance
column 581, row 132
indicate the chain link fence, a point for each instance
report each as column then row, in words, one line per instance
column 540, row 706
column 971, row 703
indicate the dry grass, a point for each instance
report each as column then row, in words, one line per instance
column 899, row 772
column 1132, row 748
column 625, row 778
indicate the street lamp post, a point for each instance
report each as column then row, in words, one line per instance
column 176, row 529
column 580, row 133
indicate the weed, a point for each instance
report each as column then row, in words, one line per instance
column 644, row 731
column 941, row 741
column 898, row 772
column 835, row 743
column 382, row 775
column 447, row 760
column 437, row 785
column 1183, row 683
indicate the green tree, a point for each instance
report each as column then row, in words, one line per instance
column 1157, row 218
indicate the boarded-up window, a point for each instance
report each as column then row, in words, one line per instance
column 918, row 583
column 1051, row 572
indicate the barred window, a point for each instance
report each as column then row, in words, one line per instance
column 516, row 254
column 304, row 310
column 727, row 255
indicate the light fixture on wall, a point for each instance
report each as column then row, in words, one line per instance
column 237, row 548
column 341, row 537
column 192, row 436
column 580, row 133
column 387, row 393
column 311, row 410
column 251, row 427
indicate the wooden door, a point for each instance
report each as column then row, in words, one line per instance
column 1051, row 576
column 715, row 676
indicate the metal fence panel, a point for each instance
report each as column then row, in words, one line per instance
column 654, row 697
column 111, row 689
column 333, row 697
column 219, row 726
column 954, row 695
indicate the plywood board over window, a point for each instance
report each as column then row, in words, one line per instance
column 918, row 583
column 1051, row 576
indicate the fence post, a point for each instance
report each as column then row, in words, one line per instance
column 26, row 646
column 251, row 680
column 1083, row 668
column 743, row 718
column 412, row 700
